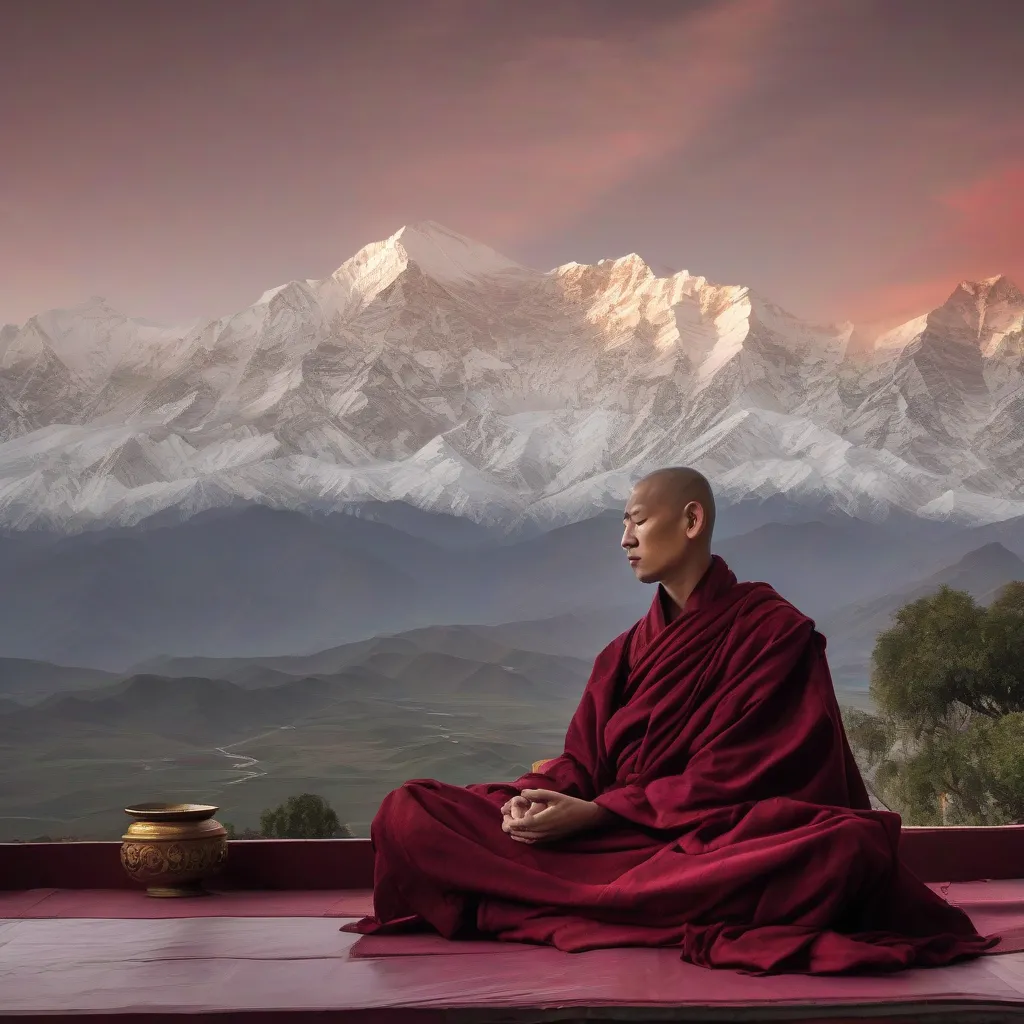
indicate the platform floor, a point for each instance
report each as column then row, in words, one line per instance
column 118, row 955
column 298, row 966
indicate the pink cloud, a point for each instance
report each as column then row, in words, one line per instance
column 989, row 216
column 979, row 227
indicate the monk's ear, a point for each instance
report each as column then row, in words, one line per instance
column 693, row 519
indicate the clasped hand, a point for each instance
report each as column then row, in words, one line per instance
column 540, row 815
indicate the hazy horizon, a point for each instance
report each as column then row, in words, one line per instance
column 868, row 329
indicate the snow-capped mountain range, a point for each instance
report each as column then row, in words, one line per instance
column 432, row 370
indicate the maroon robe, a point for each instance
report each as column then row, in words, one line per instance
column 741, row 830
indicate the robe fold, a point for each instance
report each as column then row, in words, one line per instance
column 740, row 831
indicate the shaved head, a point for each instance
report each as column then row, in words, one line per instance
column 667, row 524
column 678, row 486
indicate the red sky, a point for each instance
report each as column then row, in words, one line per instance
column 849, row 158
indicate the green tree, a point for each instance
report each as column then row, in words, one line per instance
column 947, row 744
column 302, row 817
column 246, row 833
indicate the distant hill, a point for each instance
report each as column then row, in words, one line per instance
column 259, row 583
column 194, row 709
column 391, row 710
column 582, row 636
column 447, row 531
column 851, row 631
column 204, row 708
column 1009, row 533
column 25, row 680
column 820, row 566
column 256, row 581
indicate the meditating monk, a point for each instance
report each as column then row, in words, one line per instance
column 706, row 798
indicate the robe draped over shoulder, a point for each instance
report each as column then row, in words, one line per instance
column 740, row 832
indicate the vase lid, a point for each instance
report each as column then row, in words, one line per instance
column 171, row 812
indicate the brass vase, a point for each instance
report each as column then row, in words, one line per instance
column 172, row 849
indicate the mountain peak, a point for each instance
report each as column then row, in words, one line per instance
column 95, row 305
column 982, row 569
column 440, row 254
column 292, row 288
column 994, row 549
column 982, row 572
column 448, row 256
column 1001, row 281
column 431, row 229
column 992, row 554
column 988, row 290
column 981, row 312
column 631, row 259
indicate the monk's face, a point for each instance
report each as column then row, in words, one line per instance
column 661, row 532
